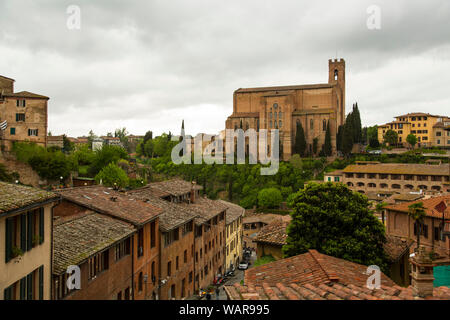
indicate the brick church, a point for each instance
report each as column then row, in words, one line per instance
column 313, row 105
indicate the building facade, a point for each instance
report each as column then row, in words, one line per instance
column 26, row 240
column 366, row 177
column 429, row 129
column 234, row 233
column 25, row 113
column 314, row 106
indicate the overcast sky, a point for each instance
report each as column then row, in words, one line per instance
column 146, row 65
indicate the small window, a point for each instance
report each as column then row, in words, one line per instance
column 12, row 131
column 20, row 117
column 32, row 132
column 275, row 106
column 21, row 103
column 311, row 124
column 324, row 124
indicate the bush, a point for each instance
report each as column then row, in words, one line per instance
column 105, row 156
column 112, row 176
column 269, row 198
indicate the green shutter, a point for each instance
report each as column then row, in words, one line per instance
column 23, row 232
column 30, row 286
column 23, row 288
column 41, row 225
column 17, row 117
column 7, row 293
column 8, row 239
column 41, row 283
column 30, row 230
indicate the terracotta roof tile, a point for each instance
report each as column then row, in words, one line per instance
column 78, row 237
column 282, row 88
column 175, row 187
column 398, row 168
column 429, row 205
column 13, row 196
column 273, row 233
column 395, row 247
column 233, row 212
column 114, row 203
column 25, row 94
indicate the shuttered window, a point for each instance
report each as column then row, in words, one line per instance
column 41, row 282
column 8, row 239
column 30, row 216
column 23, row 232
column 41, row 225
column 30, row 286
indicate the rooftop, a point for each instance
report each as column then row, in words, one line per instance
column 114, row 203
column 78, row 238
column 430, row 205
column 313, row 268
column 274, row 232
column 398, row 168
column 330, row 291
column 205, row 209
column 419, row 114
column 14, row 196
column 25, row 94
column 283, row 88
column 233, row 212
column 395, row 247
column 262, row 217
column 175, row 187
column 173, row 214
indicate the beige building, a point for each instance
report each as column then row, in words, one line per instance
column 366, row 177
column 25, row 113
column 234, row 232
column 429, row 129
column 283, row 107
column 25, row 248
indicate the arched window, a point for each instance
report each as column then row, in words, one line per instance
column 257, row 124
column 280, row 114
column 324, row 122
column 275, row 115
column 270, row 115
column 246, row 126
column 335, row 74
column 280, row 124
column 275, row 106
column 311, row 124
column 270, row 124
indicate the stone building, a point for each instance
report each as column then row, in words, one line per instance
column 26, row 242
column 366, row 177
column 144, row 217
column 271, row 239
column 282, row 107
column 429, row 129
column 436, row 221
column 101, row 247
column 234, row 233
column 25, row 113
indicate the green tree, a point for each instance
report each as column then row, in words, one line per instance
column 105, row 156
column 411, row 139
column 335, row 221
column 300, row 141
column 315, row 145
column 391, row 137
column 68, row 146
column 112, row 176
column 417, row 212
column 91, row 137
column 380, row 209
column 356, row 118
column 327, row 148
column 269, row 198
column 148, row 136
column 347, row 136
column 339, row 138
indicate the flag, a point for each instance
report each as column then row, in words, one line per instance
column 3, row 125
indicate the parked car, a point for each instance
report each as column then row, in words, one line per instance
column 243, row 265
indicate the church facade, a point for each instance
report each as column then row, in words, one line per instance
column 312, row 105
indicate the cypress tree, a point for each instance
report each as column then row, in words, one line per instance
column 300, row 141
column 356, row 118
column 327, row 146
column 339, row 137
column 347, row 135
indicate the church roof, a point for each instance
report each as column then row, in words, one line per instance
column 282, row 88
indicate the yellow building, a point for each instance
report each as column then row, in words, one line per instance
column 422, row 125
column 233, row 234
column 25, row 245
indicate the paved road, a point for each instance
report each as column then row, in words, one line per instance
column 238, row 277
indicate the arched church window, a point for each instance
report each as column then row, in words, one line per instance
column 270, row 124
column 280, row 114
column 281, row 124
column 311, row 124
column 275, row 106
column 270, row 115
column 275, row 115
column 246, row 126
column 335, row 74
column 324, row 125
column 257, row 124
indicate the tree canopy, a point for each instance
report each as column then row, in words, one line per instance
column 335, row 221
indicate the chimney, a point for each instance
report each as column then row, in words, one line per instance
column 192, row 191
column 422, row 273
